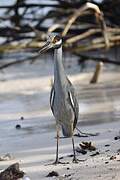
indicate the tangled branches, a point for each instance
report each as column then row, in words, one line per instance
column 83, row 25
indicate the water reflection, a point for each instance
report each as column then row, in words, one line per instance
column 25, row 92
column 98, row 105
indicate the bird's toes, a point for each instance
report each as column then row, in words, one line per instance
column 75, row 160
column 59, row 162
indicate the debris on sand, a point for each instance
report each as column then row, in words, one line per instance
column 95, row 154
column 81, row 135
column 67, row 175
column 12, row 173
column 88, row 146
column 52, row 173
column 112, row 157
column 6, row 157
column 80, row 150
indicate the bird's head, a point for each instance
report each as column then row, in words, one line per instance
column 53, row 42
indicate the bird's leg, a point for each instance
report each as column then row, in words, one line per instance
column 74, row 153
column 57, row 158
column 57, row 153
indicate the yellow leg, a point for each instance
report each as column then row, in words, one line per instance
column 57, row 158
column 57, row 148
column 74, row 153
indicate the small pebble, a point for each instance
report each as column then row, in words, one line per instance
column 18, row 126
column 106, row 145
column 52, row 173
column 22, row 118
column 95, row 154
column 106, row 162
column 67, row 175
column 117, row 137
column 112, row 157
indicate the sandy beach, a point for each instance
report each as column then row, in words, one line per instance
column 24, row 97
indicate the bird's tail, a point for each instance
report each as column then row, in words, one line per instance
column 68, row 131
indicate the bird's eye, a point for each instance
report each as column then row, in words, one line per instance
column 56, row 39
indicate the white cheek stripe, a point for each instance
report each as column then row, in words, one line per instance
column 59, row 42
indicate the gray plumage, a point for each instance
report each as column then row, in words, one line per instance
column 70, row 99
column 63, row 100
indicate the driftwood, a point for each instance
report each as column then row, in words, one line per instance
column 96, row 73
column 12, row 173
column 98, row 59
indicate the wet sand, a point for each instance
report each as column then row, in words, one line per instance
column 24, row 92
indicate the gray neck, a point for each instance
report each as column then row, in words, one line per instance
column 59, row 72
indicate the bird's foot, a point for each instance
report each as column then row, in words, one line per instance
column 55, row 163
column 59, row 162
column 75, row 160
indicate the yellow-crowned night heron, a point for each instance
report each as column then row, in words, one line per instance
column 63, row 101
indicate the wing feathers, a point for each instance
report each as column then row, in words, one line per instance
column 52, row 96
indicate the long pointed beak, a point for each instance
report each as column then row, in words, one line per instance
column 45, row 47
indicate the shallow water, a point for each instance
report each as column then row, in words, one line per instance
column 101, row 103
column 25, row 93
